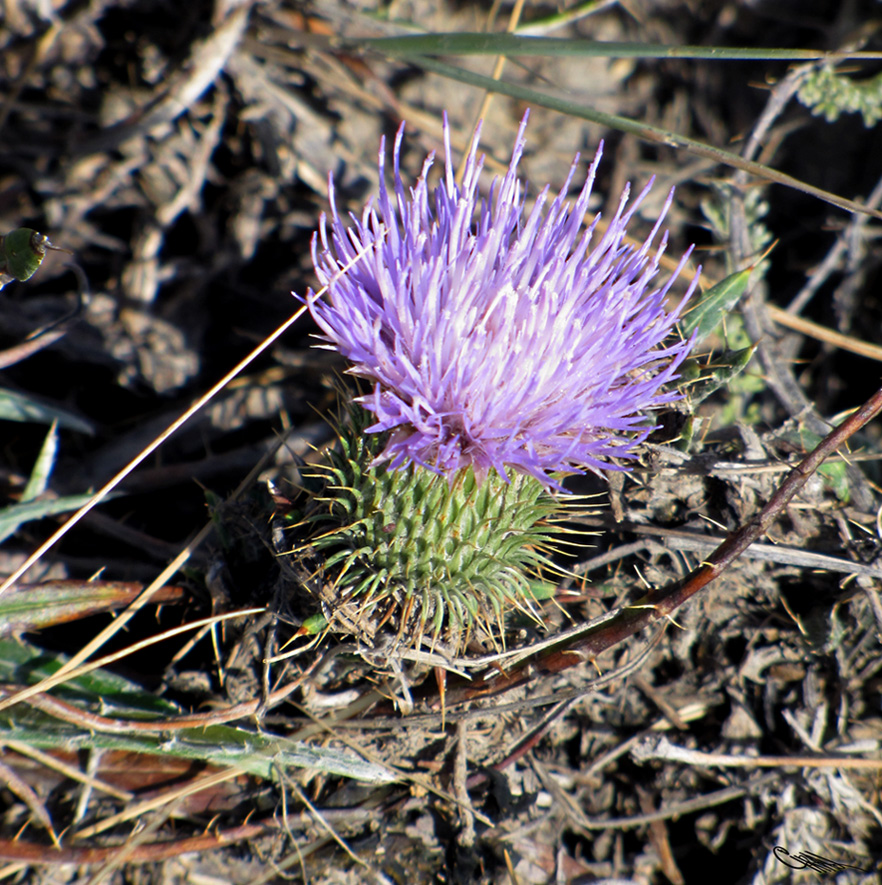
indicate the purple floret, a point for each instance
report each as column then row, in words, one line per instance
column 497, row 339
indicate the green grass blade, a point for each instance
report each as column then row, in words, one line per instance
column 466, row 43
column 39, row 478
column 114, row 697
column 15, row 407
column 711, row 307
column 16, row 515
column 641, row 130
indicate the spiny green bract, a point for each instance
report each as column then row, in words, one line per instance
column 425, row 555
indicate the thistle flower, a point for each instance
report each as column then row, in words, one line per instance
column 495, row 338
column 505, row 347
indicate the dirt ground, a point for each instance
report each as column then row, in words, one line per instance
column 181, row 152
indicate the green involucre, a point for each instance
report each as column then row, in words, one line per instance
column 424, row 553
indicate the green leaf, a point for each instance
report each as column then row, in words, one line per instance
column 833, row 473
column 25, row 608
column 39, row 478
column 21, row 253
column 829, row 94
column 112, row 696
column 711, row 308
column 705, row 378
column 16, row 515
column 15, row 407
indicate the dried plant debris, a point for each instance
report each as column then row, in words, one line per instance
column 278, row 711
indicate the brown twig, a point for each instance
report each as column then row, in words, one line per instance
column 33, row 853
column 660, row 603
column 651, row 748
column 18, row 787
column 29, row 347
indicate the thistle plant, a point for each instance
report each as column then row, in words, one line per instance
column 506, row 348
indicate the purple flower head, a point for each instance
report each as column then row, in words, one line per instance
column 495, row 337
